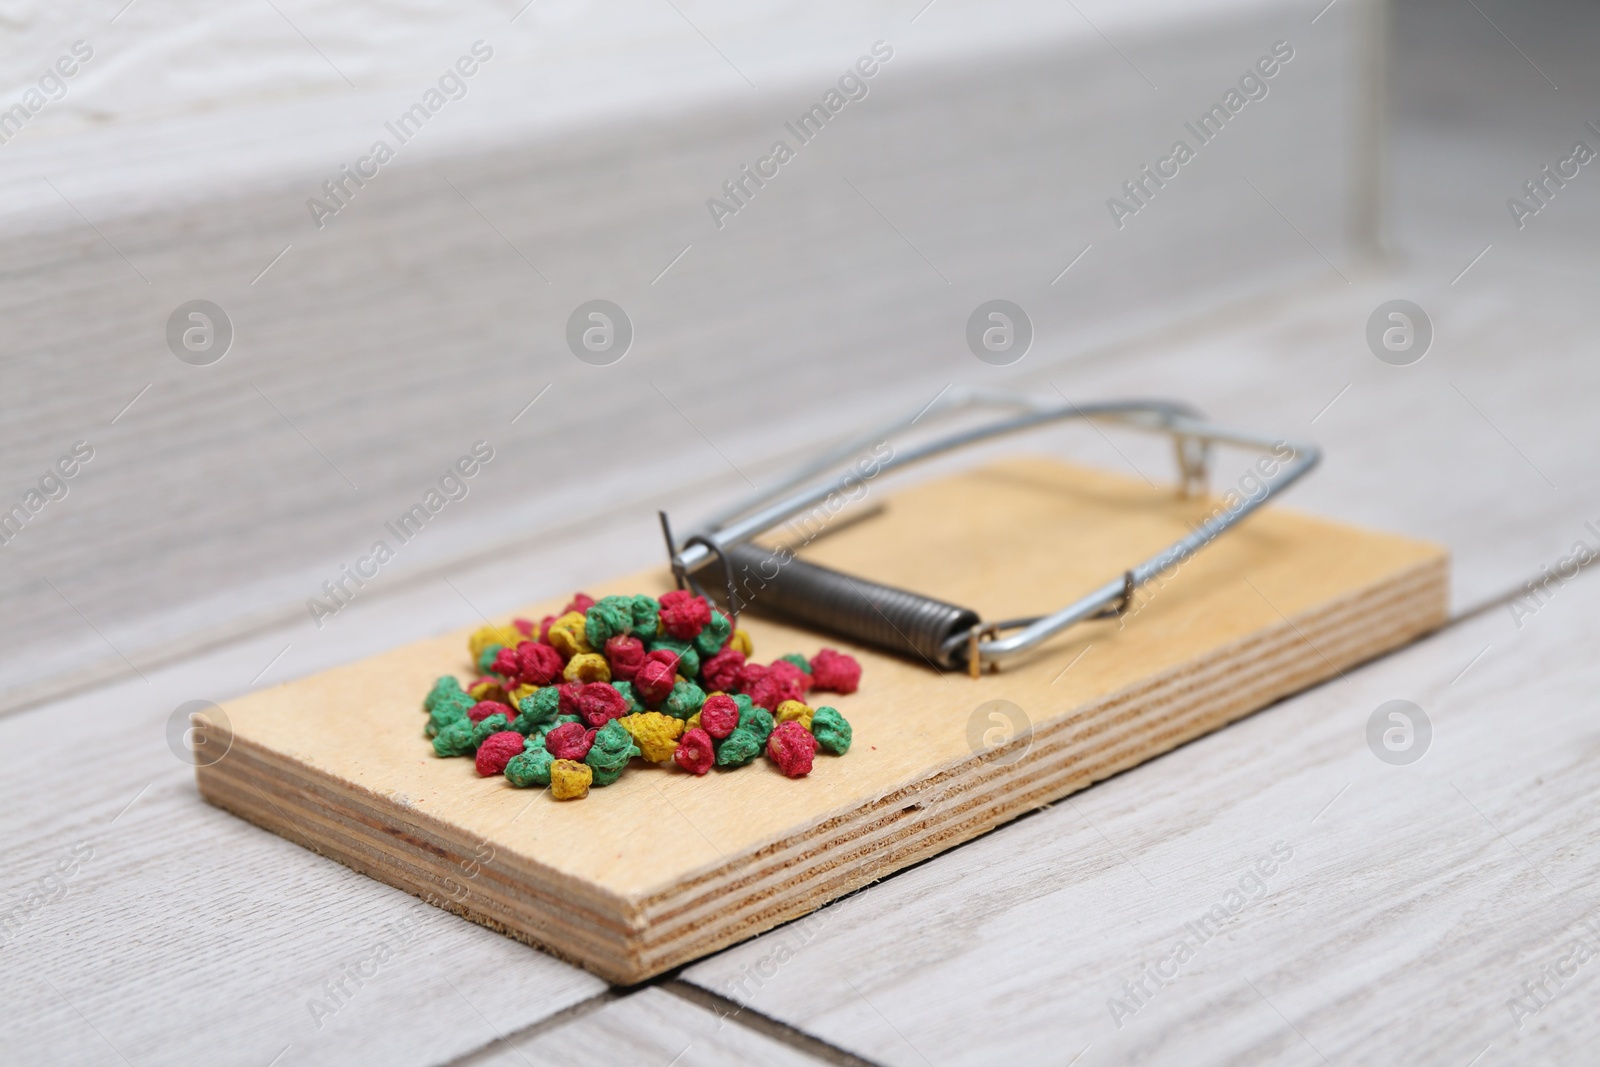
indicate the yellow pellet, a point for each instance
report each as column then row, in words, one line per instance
column 487, row 691
column 586, row 667
column 484, row 636
column 796, row 711
column 740, row 641
column 520, row 692
column 655, row 734
column 569, row 779
column 692, row 723
column 567, row 635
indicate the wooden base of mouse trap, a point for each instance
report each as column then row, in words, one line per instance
column 663, row 867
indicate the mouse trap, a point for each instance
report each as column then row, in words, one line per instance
column 1025, row 627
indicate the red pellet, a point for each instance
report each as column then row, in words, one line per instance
column 781, row 681
column 719, row 715
column 569, row 741
column 541, row 663
column 835, row 672
column 581, row 602
column 722, row 670
column 508, row 664
column 748, row 675
column 485, row 708
column 790, row 673
column 694, row 753
column 544, row 627
column 529, row 663
column 792, row 747
column 524, row 627
column 683, row 614
column 626, row 656
column 568, row 704
column 766, row 694
column 664, row 655
column 497, row 750
column 654, row 681
column 599, row 703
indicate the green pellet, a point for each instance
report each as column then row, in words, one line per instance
column 537, row 709
column 738, row 748
column 610, row 617
column 444, row 687
column 757, row 720
column 494, row 724
column 831, row 730
column 486, row 658
column 455, row 739
column 448, row 709
column 684, row 700
column 798, row 660
column 531, row 768
column 709, row 641
column 646, row 617
column 612, row 749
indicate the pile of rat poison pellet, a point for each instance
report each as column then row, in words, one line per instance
column 628, row 677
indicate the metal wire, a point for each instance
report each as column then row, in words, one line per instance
column 946, row 635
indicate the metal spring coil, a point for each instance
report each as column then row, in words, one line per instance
column 892, row 619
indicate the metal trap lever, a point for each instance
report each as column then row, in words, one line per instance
column 948, row 635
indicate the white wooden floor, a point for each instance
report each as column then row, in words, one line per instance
column 1410, row 913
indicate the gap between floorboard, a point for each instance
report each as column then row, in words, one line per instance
column 570, row 1014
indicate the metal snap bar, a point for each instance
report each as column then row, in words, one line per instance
column 948, row 636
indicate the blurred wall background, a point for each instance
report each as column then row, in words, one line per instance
column 374, row 346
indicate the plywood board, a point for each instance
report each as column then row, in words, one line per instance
column 663, row 867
